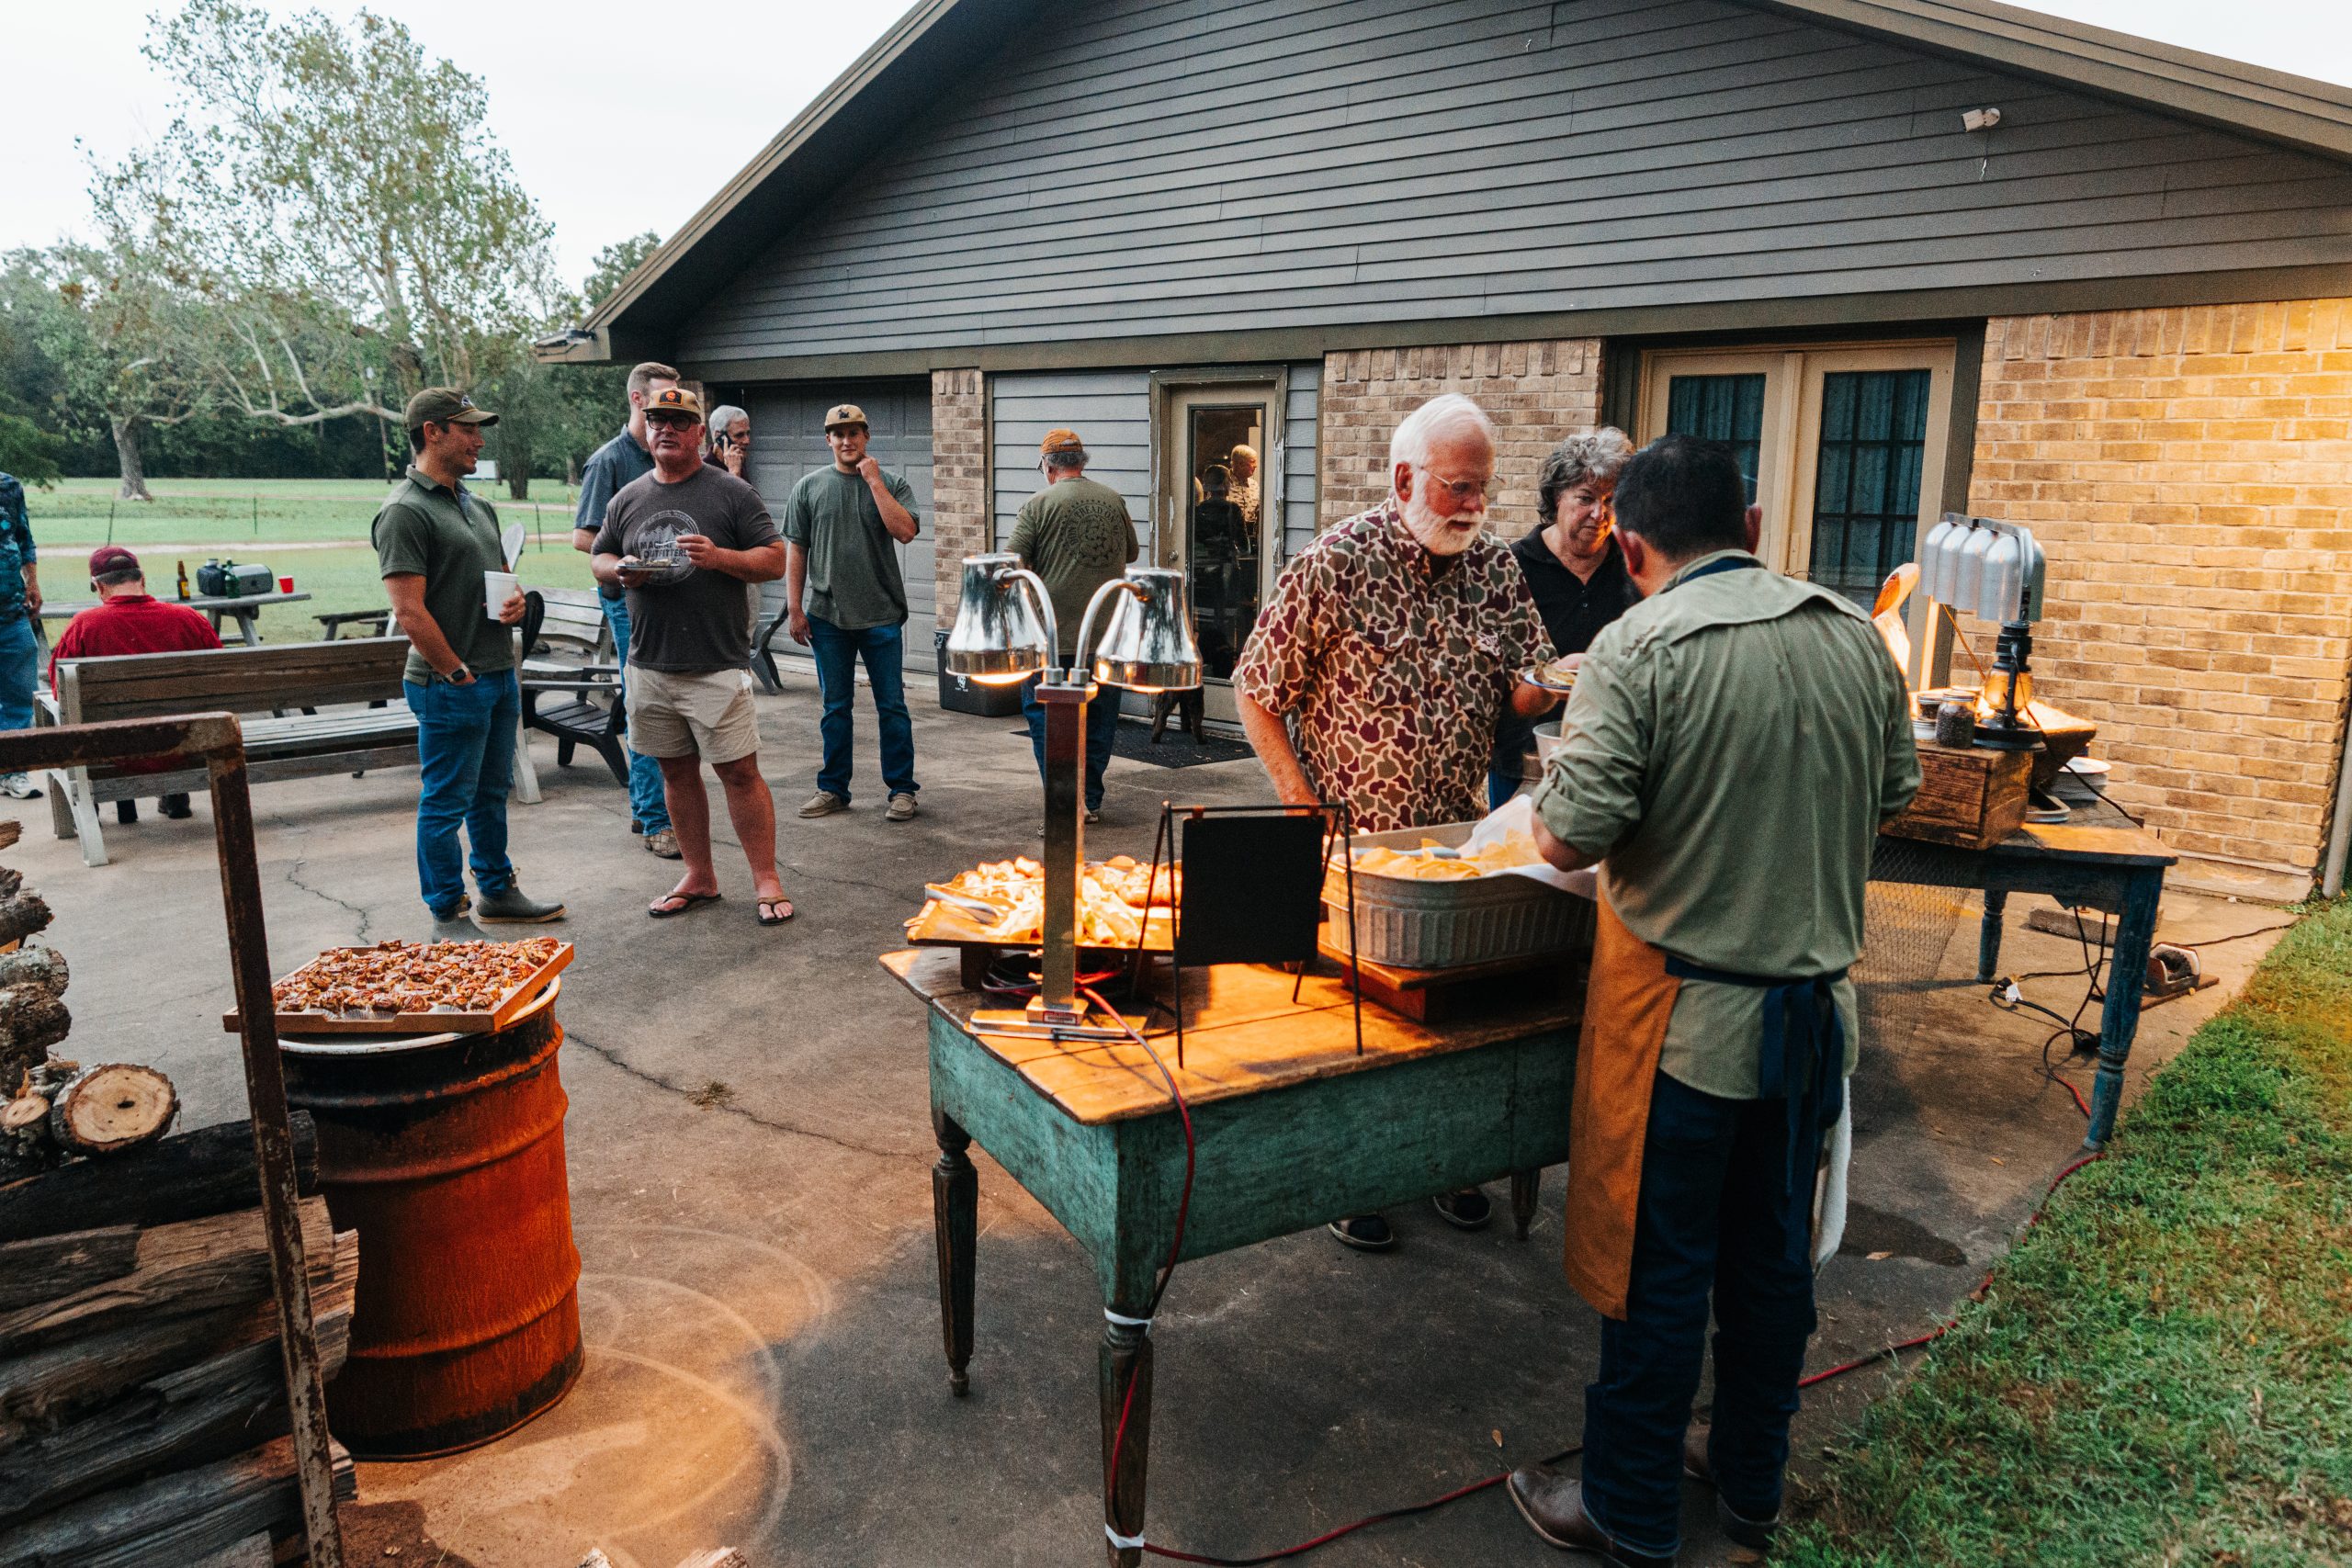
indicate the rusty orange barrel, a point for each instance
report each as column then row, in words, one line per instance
column 445, row 1152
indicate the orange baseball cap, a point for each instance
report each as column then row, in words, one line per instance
column 676, row 400
column 1061, row 441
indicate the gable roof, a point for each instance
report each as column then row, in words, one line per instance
column 938, row 41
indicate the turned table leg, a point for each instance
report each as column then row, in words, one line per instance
column 2126, row 978
column 1125, row 1366
column 955, row 1210
column 1988, row 935
column 1526, row 1187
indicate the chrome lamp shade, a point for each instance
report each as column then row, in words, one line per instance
column 999, row 636
column 1149, row 646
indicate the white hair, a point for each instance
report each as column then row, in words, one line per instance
column 1446, row 414
column 725, row 417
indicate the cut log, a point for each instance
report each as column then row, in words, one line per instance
column 22, row 914
column 173, row 1519
column 49, row 1267
column 112, row 1107
column 25, row 1143
column 43, row 968
column 209, row 1171
column 190, row 1270
column 10, row 832
column 45, row 1387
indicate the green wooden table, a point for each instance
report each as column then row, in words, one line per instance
column 1292, row 1127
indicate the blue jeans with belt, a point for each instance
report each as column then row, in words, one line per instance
column 838, row 651
column 19, row 671
column 1717, row 1216
column 1102, row 730
column 645, row 802
column 464, row 745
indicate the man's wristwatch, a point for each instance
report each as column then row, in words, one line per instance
column 460, row 675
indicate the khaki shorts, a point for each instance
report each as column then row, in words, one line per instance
column 706, row 714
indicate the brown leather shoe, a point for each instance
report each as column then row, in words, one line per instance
column 1554, row 1505
column 1736, row 1527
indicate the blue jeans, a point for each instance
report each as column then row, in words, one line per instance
column 645, row 799
column 884, row 651
column 464, row 743
column 19, row 671
column 1715, row 1214
column 1101, row 725
column 1501, row 786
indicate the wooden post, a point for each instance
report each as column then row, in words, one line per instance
column 955, row 1210
column 1125, row 1363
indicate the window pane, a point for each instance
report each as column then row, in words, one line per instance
column 1866, row 494
column 1223, row 524
column 1729, row 408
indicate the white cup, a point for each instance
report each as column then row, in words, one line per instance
column 497, row 587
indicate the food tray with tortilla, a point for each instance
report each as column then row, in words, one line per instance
column 1560, row 675
column 1420, row 905
column 409, row 988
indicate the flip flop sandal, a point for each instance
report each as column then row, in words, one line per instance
column 691, row 901
column 768, row 919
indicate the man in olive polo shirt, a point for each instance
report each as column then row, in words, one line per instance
column 841, row 530
column 434, row 541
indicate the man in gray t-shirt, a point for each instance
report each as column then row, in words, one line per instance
column 841, row 530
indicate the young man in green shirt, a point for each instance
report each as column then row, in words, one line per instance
column 841, row 530
column 1075, row 535
column 434, row 541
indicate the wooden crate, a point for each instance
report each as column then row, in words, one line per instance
column 1968, row 795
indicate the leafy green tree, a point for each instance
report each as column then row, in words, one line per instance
column 124, row 342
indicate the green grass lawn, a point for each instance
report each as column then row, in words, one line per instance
column 2160, row 1372
column 200, row 519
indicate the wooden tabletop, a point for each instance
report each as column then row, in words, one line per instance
column 1243, row 1035
column 53, row 610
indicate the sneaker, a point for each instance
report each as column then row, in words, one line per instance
column 824, row 803
column 662, row 841
column 903, row 808
column 1094, row 814
column 1365, row 1233
column 1469, row 1209
column 510, row 905
column 20, row 785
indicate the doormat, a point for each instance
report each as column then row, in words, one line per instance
column 1175, row 750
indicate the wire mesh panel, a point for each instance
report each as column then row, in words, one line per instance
column 1907, row 930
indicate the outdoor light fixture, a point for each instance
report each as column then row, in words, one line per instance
column 1149, row 648
column 1994, row 571
column 1980, row 119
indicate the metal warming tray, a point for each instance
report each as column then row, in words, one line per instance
column 1410, row 924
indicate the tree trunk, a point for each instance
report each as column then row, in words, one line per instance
column 126, row 451
column 518, row 485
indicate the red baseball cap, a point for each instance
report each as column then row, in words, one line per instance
column 111, row 558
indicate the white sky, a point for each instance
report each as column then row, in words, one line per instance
column 565, row 83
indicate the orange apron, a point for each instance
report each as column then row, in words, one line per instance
column 1627, row 1003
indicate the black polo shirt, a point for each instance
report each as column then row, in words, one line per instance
column 1574, row 611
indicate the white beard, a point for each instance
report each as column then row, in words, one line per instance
column 1437, row 534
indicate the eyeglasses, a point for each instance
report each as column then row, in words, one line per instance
column 672, row 421
column 1463, row 489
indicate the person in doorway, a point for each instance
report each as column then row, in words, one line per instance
column 128, row 619
column 1732, row 746
column 19, row 608
column 621, row 461
column 1389, row 647
column 841, row 530
column 1575, row 570
column 1242, row 464
column 682, row 542
column 1076, row 536
column 435, row 539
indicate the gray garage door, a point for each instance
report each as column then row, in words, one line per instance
column 788, row 440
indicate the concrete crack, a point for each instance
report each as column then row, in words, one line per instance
column 293, row 879
column 729, row 1106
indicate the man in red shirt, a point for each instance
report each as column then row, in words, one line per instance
column 128, row 619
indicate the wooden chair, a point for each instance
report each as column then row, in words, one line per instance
column 572, row 688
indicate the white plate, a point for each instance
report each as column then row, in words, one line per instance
column 1534, row 677
column 2089, row 767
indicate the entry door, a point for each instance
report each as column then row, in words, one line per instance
column 1223, row 533
column 1843, row 446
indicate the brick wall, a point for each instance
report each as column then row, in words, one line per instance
column 1536, row 392
column 959, row 477
column 2190, row 472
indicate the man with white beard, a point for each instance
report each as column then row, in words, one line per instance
column 1388, row 650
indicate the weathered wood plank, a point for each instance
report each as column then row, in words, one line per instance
column 47, row 1266
column 173, row 1519
column 208, row 1171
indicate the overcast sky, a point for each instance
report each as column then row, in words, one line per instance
column 563, row 96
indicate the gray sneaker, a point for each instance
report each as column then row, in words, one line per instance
column 662, row 841
column 20, row 785
column 903, row 808
column 511, row 906
column 824, row 803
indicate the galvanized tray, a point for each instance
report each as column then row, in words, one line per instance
column 1410, row 924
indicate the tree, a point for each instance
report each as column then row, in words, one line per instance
column 124, row 342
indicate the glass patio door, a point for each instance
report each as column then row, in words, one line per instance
column 1218, row 519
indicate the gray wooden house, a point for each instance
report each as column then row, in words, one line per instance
column 1910, row 254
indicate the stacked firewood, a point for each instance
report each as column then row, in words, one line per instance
column 142, row 1388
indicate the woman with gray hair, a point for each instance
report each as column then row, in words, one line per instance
column 1574, row 569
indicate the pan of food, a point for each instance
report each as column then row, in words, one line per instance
column 409, row 988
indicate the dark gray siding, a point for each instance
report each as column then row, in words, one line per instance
column 1111, row 410
column 1166, row 166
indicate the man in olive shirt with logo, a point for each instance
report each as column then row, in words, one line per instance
column 841, row 530
column 1733, row 744
column 1075, row 535
column 434, row 541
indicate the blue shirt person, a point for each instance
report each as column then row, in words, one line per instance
column 19, row 603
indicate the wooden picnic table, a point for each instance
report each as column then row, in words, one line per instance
column 1293, row 1129
column 245, row 608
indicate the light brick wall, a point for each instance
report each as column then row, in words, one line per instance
column 2190, row 472
column 1536, row 392
column 959, row 479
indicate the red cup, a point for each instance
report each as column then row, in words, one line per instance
column 285, row 586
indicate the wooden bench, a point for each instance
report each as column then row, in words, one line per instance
column 572, row 688
column 366, row 623
column 256, row 684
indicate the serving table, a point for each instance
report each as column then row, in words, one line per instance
column 1291, row 1128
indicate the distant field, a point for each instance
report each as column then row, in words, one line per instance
column 319, row 525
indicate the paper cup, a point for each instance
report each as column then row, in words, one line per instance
column 497, row 587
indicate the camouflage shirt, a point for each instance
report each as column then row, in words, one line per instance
column 1391, row 664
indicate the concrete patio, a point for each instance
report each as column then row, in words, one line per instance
column 750, row 1163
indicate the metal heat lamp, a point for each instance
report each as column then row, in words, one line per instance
column 998, row 639
column 1995, row 571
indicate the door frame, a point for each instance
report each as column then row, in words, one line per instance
column 1168, row 388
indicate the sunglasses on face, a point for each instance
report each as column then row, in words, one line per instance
column 672, row 421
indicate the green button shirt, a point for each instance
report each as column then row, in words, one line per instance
column 1733, row 745
column 449, row 538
